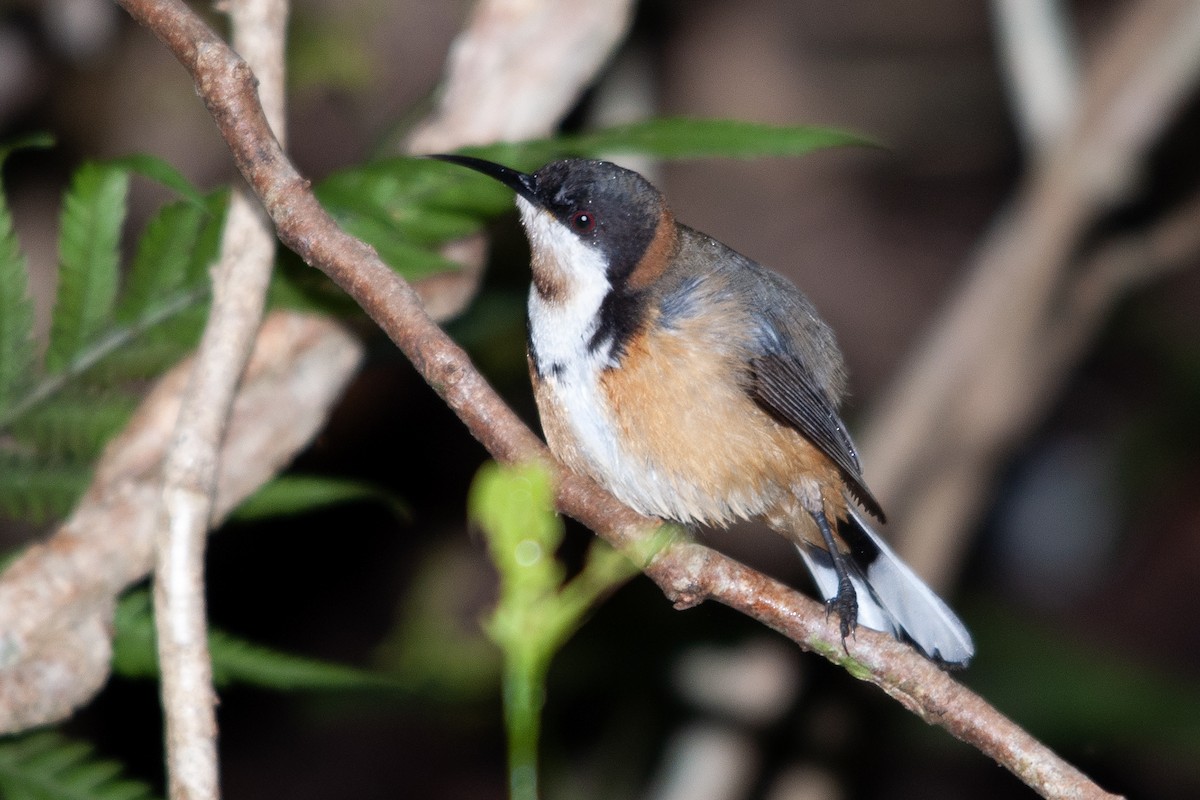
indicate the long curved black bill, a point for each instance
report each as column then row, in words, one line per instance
column 520, row 182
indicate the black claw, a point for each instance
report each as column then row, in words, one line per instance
column 845, row 605
column 845, row 602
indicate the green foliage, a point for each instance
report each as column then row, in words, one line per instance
column 163, row 173
column 297, row 494
column 76, row 426
column 105, row 336
column 163, row 260
column 89, row 259
column 234, row 660
column 47, row 766
column 56, row 416
column 405, row 207
column 16, row 308
column 536, row 612
column 436, row 648
column 676, row 138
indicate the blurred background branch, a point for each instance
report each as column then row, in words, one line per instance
column 1002, row 349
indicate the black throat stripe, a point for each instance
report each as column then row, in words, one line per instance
column 621, row 315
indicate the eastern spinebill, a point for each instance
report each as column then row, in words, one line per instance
column 698, row 386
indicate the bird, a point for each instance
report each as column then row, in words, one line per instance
column 698, row 386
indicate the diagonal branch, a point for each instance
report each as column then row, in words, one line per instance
column 687, row 573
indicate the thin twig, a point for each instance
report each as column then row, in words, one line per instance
column 687, row 573
column 190, row 470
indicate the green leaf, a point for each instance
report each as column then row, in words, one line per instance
column 47, row 766
column 150, row 345
column 410, row 260
column 514, row 506
column 160, row 171
column 406, row 207
column 536, row 612
column 38, row 489
column 31, row 141
column 89, row 242
column 674, row 138
column 164, row 255
column 16, row 308
column 76, row 425
column 296, row 494
column 403, row 207
column 234, row 660
column 678, row 137
column 208, row 240
column 100, row 350
column 238, row 661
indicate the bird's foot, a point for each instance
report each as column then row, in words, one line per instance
column 845, row 605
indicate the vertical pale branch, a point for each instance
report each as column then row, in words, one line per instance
column 190, row 470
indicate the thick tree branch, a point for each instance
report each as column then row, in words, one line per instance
column 687, row 573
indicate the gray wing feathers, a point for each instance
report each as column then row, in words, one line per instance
column 784, row 389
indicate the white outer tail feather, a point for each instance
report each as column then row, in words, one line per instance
column 892, row 599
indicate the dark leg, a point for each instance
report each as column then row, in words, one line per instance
column 845, row 602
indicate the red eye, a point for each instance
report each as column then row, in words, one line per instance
column 583, row 222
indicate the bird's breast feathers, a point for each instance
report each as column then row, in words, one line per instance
column 670, row 429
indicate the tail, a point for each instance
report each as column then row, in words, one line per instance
column 891, row 598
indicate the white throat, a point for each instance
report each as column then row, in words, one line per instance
column 561, row 326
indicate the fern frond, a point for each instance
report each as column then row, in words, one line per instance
column 161, row 172
column 112, row 341
column 48, row 766
column 208, row 240
column 163, row 256
column 35, row 489
column 234, row 660
column 76, row 425
column 16, row 309
column 89, row 254
column 53, row 424
column 155, row 349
